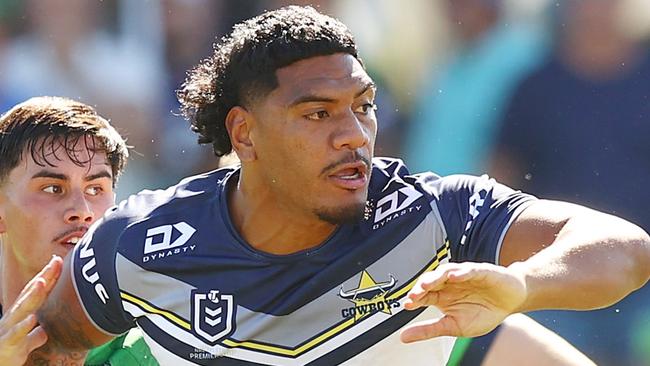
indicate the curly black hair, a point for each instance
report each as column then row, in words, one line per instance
column 244, row 63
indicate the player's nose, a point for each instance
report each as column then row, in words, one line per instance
column 79, row 210
column 352, row 134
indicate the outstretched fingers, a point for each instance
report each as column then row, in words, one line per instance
column 425, row 290
column 34, row 293
column 428, row 282
column 24, row 335
column 20, row 333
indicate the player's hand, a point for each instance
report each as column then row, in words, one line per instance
column 19, row 332
column 473, row 297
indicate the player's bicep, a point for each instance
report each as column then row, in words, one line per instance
column 535, row 228
column 64, row 319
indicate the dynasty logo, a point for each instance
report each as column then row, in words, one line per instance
column 369, row 297
column 164, row 246
column 395, row 205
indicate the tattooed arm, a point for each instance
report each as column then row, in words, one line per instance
column 70, row 332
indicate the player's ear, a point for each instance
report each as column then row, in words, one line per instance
column 238, row 123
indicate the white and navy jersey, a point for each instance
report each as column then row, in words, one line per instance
column 171, row 262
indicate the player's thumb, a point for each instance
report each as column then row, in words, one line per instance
column 443, row 326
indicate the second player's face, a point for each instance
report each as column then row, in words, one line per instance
column 44, row 210
column 316, row 135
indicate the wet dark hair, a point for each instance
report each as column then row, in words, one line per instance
column 244, row 63
column 43, row 126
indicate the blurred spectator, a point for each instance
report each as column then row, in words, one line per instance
column 8, row 9
column 68, row 49
column 456, row 117
column 189, row 29
column 577, row 129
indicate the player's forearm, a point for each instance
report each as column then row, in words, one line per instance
column 595, row 261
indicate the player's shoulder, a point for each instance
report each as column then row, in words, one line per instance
column 185, row 198
column 392, row 174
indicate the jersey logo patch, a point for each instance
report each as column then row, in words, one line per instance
column 213, row 315
column 369, row 297
column 166, row 232
column 395, row 205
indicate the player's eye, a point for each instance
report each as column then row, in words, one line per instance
column 53, row 189
column 317, row 116
column 94, row 190
column 366, row 108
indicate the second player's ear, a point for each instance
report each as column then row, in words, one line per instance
column 238, row 123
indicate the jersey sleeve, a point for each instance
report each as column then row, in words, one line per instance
column 95, row 278
column 476, row 213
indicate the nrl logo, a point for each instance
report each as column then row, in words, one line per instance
column 213, row 315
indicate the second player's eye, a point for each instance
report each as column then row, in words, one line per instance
column 316, row 116
column 53, row 189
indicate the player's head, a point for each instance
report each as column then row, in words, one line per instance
column 60, row 161
column 288, row 92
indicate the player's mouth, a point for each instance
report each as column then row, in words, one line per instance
column 72, row 237
column 351, row 176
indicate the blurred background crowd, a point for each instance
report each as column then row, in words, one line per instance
column 550, row 97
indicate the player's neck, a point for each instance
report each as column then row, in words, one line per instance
column 45, row 356
column 268, row 226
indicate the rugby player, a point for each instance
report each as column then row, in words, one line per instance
column 60, row 163
column 313, row 251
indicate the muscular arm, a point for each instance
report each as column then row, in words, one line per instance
column 70, row 332
column 581, row 259
column 558, row 256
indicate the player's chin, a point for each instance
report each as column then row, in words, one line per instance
column 348, row 213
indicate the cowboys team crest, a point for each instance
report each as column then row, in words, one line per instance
column 369, row 297
column 213, row 315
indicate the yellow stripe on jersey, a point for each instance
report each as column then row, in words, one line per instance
column 151, row 309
